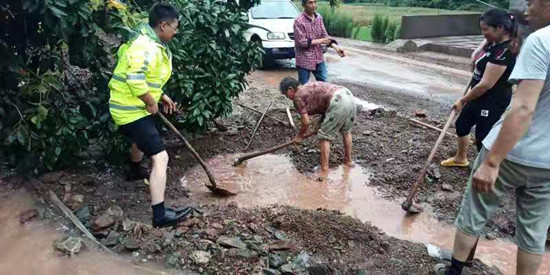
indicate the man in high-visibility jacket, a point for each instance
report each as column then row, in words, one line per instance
column 144, row 65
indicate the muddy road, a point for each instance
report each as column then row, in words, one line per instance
column 284, row 220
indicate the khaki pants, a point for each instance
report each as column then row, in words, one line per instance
column 532, row 188
column 340, row 115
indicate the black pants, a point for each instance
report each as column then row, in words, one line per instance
column 481, row 115
column 144, row 133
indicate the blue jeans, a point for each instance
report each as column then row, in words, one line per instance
column 320, row 73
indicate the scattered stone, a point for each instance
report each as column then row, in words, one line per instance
column 367, row 133
column 75, row 201
column 491, row 236
column 83, row 215
column 69, row 246
column 320, row 269
column 403, row 45
column 301, row 260
column 280, row 245
column 116, row 212
column 173, row 259
column 128, row 225
column 420, row 113
column 280, row 236
column 101, row 234
column 275, row 261
column 231, row 242
column 28, row 215
column 290, row 268
column 111, row 239
column 130, row 244
column 190, row 222
column 245, row 254
column 363, row 272
column 268, row 271
column 435, row 172
column 103, row 222
column 135, row 254
column 200, row 257
column 447, row 187
column 108, row 219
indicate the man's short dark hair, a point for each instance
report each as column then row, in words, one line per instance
column 162, row 12
column 288, row 82
column 304, row 2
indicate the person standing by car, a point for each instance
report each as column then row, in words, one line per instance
column 309, row 36
column 490, row 93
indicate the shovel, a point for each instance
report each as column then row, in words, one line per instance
column 213, row 187
column 409, row 205
column 267, row 151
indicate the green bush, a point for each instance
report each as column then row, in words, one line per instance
column 53, row 115
column 379, row 26
column 384, row 31
column 391, row 32
column 337, row 23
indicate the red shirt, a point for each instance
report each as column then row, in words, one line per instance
column 305, row 31
column 314, row 97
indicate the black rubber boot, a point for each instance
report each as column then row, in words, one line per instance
column 136, row 172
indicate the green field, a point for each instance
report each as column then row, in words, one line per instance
column 363, row 14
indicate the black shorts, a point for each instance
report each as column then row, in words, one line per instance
column 145, row 135
column 483, row 116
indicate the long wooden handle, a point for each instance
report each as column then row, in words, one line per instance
column 190, row 148
column 420, row 179
column 258, row 126
column 270, row 150
column 414, row 188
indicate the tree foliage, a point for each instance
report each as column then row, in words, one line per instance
column 53, row 114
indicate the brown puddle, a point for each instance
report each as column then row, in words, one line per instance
column 28, row 248
column 273, row 179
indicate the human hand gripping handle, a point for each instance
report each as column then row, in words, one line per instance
column 169, row 106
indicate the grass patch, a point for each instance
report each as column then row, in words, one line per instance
column 363, row 34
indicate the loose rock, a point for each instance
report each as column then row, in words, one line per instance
column 268, row 271
column 75, row 201
column 420, row 113
column 447, row 187
column 280, row 245
column 69, row 246
column 245, row 254
column 130, row 244
column 173, row 259
column 83, row 215
column 231, row 242
column 491, row 236
column 108, row 219
column 111, row 239
column 275, row 261
column 320, row 269
column 200, row 257
column 128, row 225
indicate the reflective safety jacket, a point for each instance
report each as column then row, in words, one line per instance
column 144, row 65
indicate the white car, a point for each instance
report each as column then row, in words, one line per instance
column 272, row 25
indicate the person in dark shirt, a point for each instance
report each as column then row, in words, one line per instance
column 490, row 92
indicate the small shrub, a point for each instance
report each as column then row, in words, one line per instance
column 337, row 23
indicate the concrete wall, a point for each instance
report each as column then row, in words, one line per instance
column 425, row 26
